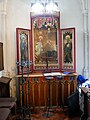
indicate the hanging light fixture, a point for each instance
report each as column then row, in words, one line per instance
column 40, row 7
column 51, row 7
column 37, row 7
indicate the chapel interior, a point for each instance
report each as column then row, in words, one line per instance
column 44, row 60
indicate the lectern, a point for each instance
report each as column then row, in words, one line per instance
column 48, row 78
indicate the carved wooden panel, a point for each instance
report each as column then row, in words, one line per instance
column 37, row 93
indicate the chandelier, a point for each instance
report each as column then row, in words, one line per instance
column 40, row 7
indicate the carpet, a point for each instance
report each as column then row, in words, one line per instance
column 41, row 114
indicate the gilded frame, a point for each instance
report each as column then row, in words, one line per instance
column 23, row 48
column 68, row 62
column 46, row 27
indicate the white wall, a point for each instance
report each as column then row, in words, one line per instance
column 18, row 15
column 71, row 16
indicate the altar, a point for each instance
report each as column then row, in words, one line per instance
column 36, row 89
column 45, row 48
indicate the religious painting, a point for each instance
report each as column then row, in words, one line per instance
column 45, row 43
column 23, row 48
column 68, row 49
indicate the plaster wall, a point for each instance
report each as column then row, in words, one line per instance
column 71, row 16
column 18, row 16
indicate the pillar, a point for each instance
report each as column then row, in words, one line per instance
column 85, row 36
column 3, row 36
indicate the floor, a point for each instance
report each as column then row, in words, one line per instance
column 53, row 114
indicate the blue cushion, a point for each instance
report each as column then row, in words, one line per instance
column 81, row 79
column 89, row 85
column 66, row 72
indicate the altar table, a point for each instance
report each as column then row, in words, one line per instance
column 36, row 89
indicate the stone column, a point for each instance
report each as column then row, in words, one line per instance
column 86, row 43
column 3, row 36
column 85, row 36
